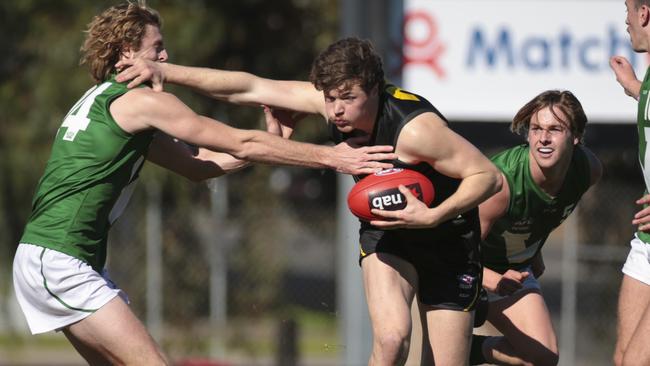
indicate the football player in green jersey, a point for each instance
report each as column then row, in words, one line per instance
column 633, row 325
column 59, row 275
column 543, row 182
column 432, row 255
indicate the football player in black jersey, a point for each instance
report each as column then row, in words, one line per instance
column 432, row 254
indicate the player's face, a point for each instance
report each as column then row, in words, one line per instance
column 151, row 47
column 351, row 108
column 551, row 141
column 633, row 21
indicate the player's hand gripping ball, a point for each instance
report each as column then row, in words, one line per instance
column 380, row 191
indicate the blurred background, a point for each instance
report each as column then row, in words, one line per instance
column 260, row 267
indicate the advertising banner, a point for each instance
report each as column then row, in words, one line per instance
column 482, row 60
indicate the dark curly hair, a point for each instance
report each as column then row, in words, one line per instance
column 347, row 62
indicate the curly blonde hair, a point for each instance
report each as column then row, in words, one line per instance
column 109, row 33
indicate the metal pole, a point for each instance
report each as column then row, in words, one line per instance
column 154, row 261
column 218, row 267
column 569, row 290
column 356, row 332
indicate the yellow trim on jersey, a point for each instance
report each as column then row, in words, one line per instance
column 401, row 94
column 363, row 254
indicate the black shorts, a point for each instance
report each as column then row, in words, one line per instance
column 446, row 259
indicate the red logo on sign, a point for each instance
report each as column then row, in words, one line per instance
column 422, row 50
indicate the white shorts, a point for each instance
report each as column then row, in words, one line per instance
column 529, row 283
column 637, row 264
column 55, row 290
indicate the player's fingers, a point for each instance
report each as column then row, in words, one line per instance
column 124, row 75
column 643, row 200
column 381, row 156
column 135, row 82
column 524, row 274
column 407, row 193
column 124, row 63
column 642, row 214
column 377, row 165
column 377, row 149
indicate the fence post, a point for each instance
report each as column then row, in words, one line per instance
column 569, row 290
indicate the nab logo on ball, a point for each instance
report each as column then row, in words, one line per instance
column 392, row 199
column 380, row 191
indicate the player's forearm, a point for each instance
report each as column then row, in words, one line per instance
column 632, row 88
column 266, row 148
column 231, row 86
column 470, row 193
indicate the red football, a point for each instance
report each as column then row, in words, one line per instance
column 380, row 191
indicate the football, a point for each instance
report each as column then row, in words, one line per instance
column 380, row 191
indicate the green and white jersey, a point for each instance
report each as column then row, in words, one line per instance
column 88, row 179
column 532, row 214
column 643, row 125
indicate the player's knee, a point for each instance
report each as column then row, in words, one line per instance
column 393, row 345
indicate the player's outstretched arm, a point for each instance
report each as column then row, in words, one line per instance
column 427, row 138
column 197, row 163
column 625, row 76
column 232, row 86
column 193, row 163
column 142, row 109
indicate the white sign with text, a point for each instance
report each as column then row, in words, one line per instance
column 483, row 60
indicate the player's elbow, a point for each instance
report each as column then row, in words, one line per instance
column 494, row 181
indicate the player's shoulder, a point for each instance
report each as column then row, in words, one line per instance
column 512, row 161
column 146, row 98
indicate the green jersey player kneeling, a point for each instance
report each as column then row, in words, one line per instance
column 543, row 182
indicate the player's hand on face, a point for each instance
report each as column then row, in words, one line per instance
column 357, row 160
column 139, row 70
column 510, row 282
column 413, row 216
column 642, row 218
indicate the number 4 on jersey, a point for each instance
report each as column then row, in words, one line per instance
column 77, row 119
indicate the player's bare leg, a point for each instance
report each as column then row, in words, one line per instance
column 528, row 335
column 389, row 284
column 633, row 325
column 114, row 336
column 449, row 335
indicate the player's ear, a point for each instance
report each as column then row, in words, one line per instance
column 644, row 15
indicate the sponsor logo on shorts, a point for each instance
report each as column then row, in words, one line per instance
column 465, row 281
